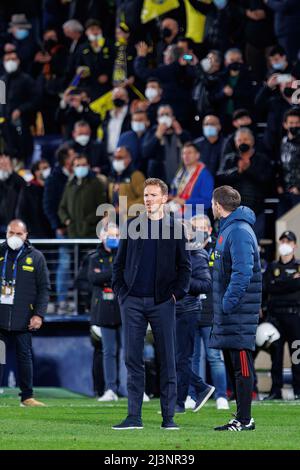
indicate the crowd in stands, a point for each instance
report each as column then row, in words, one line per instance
column 105, row 96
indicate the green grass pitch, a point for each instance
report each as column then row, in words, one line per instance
column 72, row 421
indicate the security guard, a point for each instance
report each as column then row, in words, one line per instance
column 282, row 288
column 23, row 302
column 105, row 312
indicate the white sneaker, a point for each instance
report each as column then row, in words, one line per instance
column 189, row 403
column 222, row 403
column 145, row 397
column 109, row 395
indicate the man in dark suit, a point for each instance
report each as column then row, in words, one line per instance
column 151, row 272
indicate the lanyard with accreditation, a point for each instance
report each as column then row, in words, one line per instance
column 8, row 288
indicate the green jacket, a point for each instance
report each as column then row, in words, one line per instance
column 79, row 203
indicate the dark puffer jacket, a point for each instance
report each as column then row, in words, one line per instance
column 32, row 287
column 237, row 283
column 200, row 283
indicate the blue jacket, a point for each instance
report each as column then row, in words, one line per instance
column 237, row 283
column 200, row 283
column 202, row 191
column 133, row 142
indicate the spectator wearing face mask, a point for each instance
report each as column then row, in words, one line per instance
column 94, row 62
column 286, row 25
column 162, row 145
column 49, row 71
column 21, row 102
column 73, row 107
column 278, row 61
column 10, row 186
column 242, row 118
column 174, row 76
column 81, row 197
column 247, row 171
column 208, row 72
column 210, row 145
column 235, row 90
column 169, row 30
column 133, row 140
column 289, row 182
column 272, row 100
column 118, row 120
column 282, row 288
column 153, row 93
column 125, row 180
column 30, row 207
column 21, row 41
column 82, row 143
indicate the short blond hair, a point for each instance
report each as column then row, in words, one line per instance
column 157, row 182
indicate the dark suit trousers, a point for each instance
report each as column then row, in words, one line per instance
column 136, row 312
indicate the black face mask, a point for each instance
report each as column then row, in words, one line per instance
column 199, row 237
column 243, row 148
column 166, row 33
column 49, row 44
column 288, row 92
column 295, row 131
column 119, row 103
column 235, row 66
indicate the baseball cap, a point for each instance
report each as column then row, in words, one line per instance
column 289, row 235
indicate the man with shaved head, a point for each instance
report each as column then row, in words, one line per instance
column 24, row 298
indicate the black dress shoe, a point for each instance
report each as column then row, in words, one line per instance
column 274, row 396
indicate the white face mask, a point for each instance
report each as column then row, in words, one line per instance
column 167, row 120
column 46, row 172
column 82, row 139
column 118, row 165
column 15, row 243
column 151, row 93
column 206, row 64
column 285, row 249
column 10, row 66
column 4, row 175
column 137, row 126
column 94, row 37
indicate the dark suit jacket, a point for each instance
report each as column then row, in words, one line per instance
column 173, row 266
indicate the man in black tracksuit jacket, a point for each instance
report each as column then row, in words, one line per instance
column 23, row 271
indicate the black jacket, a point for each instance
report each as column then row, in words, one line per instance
column 54, row 189
column 200, row 283
column 30, row 210
column 105, row 310
column 9, row 195
column 280, row 287
column 32, row 288
column 21, row 93
column 173, row 264
column 95, row 152
column 251, row 183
